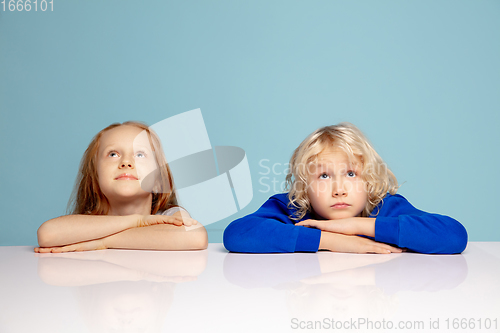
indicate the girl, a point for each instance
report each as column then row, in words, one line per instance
column 342, row 198
column 124, row 198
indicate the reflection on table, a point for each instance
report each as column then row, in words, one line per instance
column 122, row 291
column 323, row 285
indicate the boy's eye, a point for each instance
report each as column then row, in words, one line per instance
column 351, row 174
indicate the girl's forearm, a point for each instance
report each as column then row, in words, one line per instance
column 70, row 229
column 159, row 237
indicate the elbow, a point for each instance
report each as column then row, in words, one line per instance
column 199, row 241
column 243, row 237
column 44, row 235
column 460, row 240
column 202, row 243
column 233, row 240
column 455, row 241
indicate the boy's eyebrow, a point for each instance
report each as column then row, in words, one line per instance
column 319, row 165
column 350, row 165
column 316, row 166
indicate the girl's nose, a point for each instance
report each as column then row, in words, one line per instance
column 126, row 164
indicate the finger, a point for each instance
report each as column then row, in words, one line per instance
column 396, row 249
column 63, row 249
column 44, row 249
column 188, row 222
column 175, row 220
column 391, row 248
column 309, row 224
column 37, row 249
column 305, row 222
column 167, row 220
column 379, row 250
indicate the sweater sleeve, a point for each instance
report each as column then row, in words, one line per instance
column 270, row 230
column 403, row 225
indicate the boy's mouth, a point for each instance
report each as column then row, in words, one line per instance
column 340, row 205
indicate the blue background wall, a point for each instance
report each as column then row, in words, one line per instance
column 420, row 78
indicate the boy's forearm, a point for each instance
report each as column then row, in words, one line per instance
column 70, row 229
column 327, row 241
column 353, row 244
column 335, row 242
column 365, row 226
column 159, row 237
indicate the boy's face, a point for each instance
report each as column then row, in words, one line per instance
column 336, row 189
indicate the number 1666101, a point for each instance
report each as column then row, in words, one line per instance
column 27, row 5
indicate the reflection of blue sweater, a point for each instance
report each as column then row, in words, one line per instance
column 270, row 229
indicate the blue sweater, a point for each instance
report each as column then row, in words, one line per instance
column 271, row 230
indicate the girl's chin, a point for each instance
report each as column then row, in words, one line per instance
column 130, row 195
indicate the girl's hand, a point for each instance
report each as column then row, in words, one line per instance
column 95, row 244
column 354, row 244
column 349, row 226
column 147, row 220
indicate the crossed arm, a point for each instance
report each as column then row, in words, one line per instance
column 96, row 232
column 341, row 235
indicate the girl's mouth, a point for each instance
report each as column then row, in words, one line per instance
column 126, row 176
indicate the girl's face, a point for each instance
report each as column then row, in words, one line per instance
column 336, row 189
column 124, row 159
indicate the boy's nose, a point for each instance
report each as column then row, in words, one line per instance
column 340, row 193
column 338, row 190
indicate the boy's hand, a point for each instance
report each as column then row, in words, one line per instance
column 349, row 226
column 353, row 244
column 147, row 220
column 95, row 244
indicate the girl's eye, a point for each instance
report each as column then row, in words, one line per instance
column 324, row 176
column 140, row 154
column 113, row 154
column 351, row 174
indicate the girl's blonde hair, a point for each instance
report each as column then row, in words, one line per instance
column 87, row 197
column 378, row 178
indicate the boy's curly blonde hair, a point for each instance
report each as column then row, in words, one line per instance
column 345, row 136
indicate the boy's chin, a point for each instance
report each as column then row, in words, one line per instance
column 331, row 216
column 339, row 217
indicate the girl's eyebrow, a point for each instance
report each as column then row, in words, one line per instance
column 113, row 147
column 142, row 148
column 108, row 146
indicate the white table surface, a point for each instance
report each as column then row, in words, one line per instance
column 217, row 291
